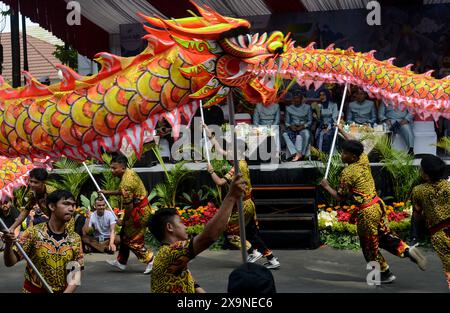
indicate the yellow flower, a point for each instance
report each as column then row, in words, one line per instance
column 329, row 210
column 320, row 206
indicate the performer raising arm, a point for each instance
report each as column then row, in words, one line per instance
column 256, row 248
column 36, row 197
column 170, row 273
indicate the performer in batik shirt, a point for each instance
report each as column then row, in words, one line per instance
column 54, row 248
column 357, row 186
column 170, row 273
column 255, row 245
column 137, row 215
column 36, row 198
column 432, row 201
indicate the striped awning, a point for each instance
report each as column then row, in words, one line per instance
column 101, row 18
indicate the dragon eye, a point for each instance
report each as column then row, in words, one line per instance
column 244, row 41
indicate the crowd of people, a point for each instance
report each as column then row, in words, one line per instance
column 55, row 235
column 55, row 242
column 309, row 118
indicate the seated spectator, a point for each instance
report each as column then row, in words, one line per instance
column 251, row 278
column 399, row 122
column 298, row 121
column 266, row 115
column 8, row 213
column 99, row 229
column 361, row 111
column 164, row 131
column 327, row 120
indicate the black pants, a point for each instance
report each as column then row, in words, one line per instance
column 252, row 232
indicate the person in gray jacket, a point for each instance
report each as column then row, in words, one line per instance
column 328, row 118
column 298, row 121
column 266, row 115
column 361, row 111
column 399, row 122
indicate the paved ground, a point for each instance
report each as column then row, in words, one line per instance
column 321, row 270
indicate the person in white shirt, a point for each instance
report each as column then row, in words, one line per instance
column 99, row 230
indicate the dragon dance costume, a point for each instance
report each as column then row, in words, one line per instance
column 434, row 201
column 51, row 254
column 137, row 215
column 251, row 223
column 357, row 184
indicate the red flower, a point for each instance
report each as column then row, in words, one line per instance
column 397, row 217
column 343, row 216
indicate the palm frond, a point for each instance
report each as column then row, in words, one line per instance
column 20, row 200
column 399, row 164
column 72, row 176
column 167, row 191
column 109, row 181
column 157, row 153
column 334, row 173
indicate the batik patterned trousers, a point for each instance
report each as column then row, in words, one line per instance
column 374, row 234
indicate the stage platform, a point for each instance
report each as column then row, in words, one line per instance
column 286, row 197
column 288, row 173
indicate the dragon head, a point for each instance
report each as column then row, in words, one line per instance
column 223, row 55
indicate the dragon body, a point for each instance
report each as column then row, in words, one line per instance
column 13, row 174
column 190, row 59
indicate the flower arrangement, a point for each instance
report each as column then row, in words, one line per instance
column 397, row 212
column 338, row 229
column 199, row 216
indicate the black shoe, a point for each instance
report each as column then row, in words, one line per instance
column 411, row 151
column 414, row 242
column 387, row 277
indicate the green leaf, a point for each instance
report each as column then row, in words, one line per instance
column 187, row 197
column 72, row 176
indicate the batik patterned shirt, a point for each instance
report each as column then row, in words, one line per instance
column 132, row 188
column 248, row 205
column 357, row 183
column 170, row 273
column 136, row 215
column 50, row 256
column 38, row 199
column 434, row 200
column 245, row 171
